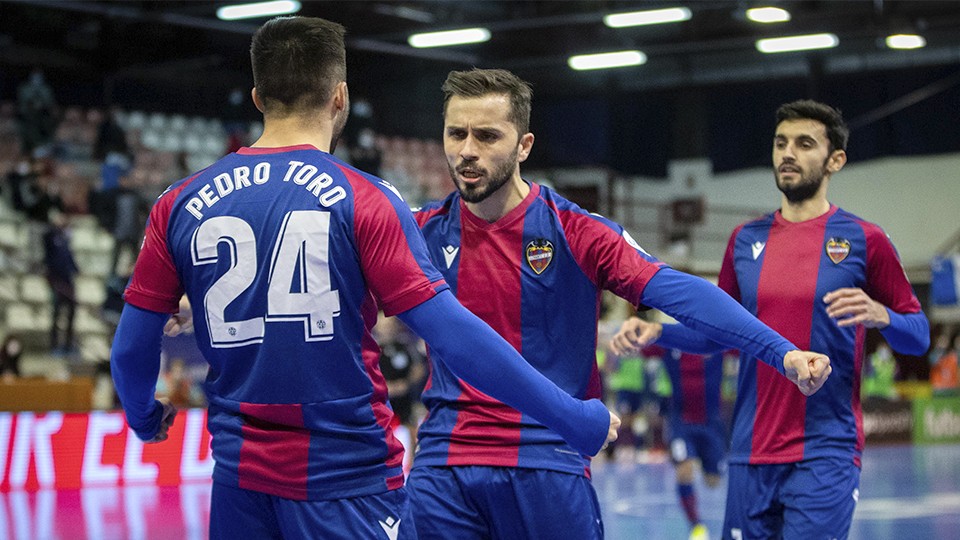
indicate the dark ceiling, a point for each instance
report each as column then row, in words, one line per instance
column 112, row 50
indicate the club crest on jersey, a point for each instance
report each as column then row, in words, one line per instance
column 539, row 253
column 838, row 249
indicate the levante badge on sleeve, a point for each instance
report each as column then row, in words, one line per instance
column 838, row 249
column 539, row 253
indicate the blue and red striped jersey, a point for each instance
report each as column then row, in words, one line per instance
column 535, row 276
column 695, row 379
column 780, row 271
column 285, row 255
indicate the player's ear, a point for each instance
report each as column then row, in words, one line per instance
column 836, row 161
column 256, row 99
column 526, row 145
column 340, row 96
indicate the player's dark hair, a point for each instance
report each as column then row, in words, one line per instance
column 297, row 62
column 806, row 109
column 481, row 82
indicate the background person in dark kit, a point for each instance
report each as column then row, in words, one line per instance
column 61, row 269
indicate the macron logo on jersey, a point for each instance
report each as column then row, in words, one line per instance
column 391, row 527
column 757, row 248
column 450, row 254
column 633, row 243
column 389, row 186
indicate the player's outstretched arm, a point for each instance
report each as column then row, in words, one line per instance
column 475, row 353
column 635, row 333
column 135, row 366
column 808, row 370
column 708, row 310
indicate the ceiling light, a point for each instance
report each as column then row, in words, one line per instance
column 449, row 37
column 639, row 18
column 797, row 43
column 768, row 15
column 258, row 9
column 906, row 41
column 617, row 59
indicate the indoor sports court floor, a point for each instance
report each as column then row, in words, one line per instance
column 906, row 492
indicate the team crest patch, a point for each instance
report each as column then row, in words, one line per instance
column 539, row 254
column 838, row 249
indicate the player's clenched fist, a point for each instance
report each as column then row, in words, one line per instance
column 808, row 370
column 634, row 334
column 168, row 415
column 614, row 428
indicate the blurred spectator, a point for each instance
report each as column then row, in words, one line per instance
column 114, row 154
column 235, row 116
column 402, row 366
column 359, row 138
column 115, row 166
column 113, row 302
column 111, row 138
column 176, row 385
column 943, row 365
column 10, row 353
column 129, row 209
column 36, row 107
column 364, row 154
column 879, row 373
column 61, row 269
column 30, row 185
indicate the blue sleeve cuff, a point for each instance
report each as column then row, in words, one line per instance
column 135, row 367
column 907, row 333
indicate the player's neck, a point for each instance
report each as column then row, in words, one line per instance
column 502, row 201
column 812, row 208
column 805, row 210
column 293, row 131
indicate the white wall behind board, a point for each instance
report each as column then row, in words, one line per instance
column 915, row 199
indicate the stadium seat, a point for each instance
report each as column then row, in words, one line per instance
column 20, row 317
column 157, row 121
column 34, row 289
column 94, row 348
column 12, row 235
column 90, row 291
column 178, row 124
column 88, row 323
column 136, row 120
column 9, row 288
column 151, row 139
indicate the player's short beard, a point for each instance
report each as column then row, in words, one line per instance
column 806, row 188
column 474, row 193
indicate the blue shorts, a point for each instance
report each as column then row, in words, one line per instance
column 708, row 442
column 241, row 513
column 629, row 401
column 479, row 503
column 793, row 501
